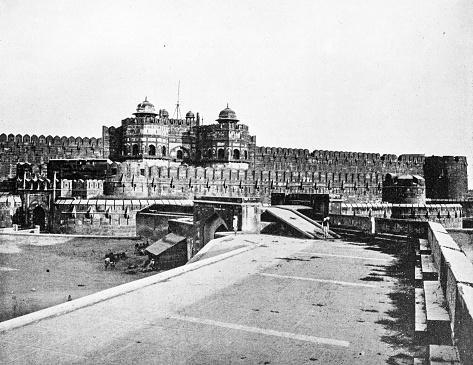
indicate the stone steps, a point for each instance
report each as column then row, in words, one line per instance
column 438, row 319
column 432, row 320
column 429, row 272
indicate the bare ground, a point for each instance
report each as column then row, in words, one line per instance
column 37, row 272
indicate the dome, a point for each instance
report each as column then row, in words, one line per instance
column 227, row 115
column 189, row 114
column 145, row 107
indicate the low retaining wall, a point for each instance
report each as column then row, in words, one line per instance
column 407, row 227
column 381, row 225
column 456, row 279
column 97, row 226
column 15, row 230
column 363, row 224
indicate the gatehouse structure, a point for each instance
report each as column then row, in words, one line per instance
column 151, row 155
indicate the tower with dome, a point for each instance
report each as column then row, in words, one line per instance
column 152, row 138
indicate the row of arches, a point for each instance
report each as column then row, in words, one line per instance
column 153, row 150
column 236, row 154
column 134, row 150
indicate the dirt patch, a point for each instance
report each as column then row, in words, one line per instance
column 38, row 275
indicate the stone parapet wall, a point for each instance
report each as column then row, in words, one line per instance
column 363, row 224
column 456, row 279
column 376, row 225
column 449, row 215
column 464, row 239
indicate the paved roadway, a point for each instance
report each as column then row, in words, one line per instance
column 281, row 301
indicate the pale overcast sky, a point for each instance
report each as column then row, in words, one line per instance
column 367, row 76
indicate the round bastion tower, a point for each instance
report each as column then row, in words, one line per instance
column 226, row 144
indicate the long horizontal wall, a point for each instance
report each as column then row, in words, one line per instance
column 136, row 180
column 276, row 158
column 373, row 225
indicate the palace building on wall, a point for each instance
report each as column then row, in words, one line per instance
column 152, row 138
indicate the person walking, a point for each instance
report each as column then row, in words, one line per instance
column 325, row 226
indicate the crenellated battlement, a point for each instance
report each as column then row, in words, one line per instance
column 38, row 150
column 48, row 141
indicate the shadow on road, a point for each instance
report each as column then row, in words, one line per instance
column 400, row 323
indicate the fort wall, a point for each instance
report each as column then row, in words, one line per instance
column 38, row 150
column 356, row 176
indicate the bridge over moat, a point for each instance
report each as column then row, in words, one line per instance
column 277, row 300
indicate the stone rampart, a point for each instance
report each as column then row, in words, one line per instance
column 38, row 150
column 354, row 175
column 345, row 163
column 135, row 180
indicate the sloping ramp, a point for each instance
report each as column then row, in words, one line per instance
column 296, row 210
column 296, row 221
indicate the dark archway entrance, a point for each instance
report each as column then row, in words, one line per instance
column 39, row 217
column 215, row 223
column 152, row 150
column 220, row 228
column 236, row 154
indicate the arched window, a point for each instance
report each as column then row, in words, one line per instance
column 221, row 154
column 246, row 155
column 209, row 153
column 236, row 154
column 135, row 150
column 163, row 151
column 179, row 155
column 125, row 150
column 152, row 150
column 199, row 155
